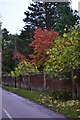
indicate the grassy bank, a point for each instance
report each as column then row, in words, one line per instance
column 70, row 108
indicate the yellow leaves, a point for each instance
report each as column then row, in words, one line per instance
column 64, row 29
column 58, row 105
column 76, row 33
column 47, row 52
column 73, row 32
column 66, row 26
column 68, row 43
column 75, row 26
column 55, row 101
column 75, row 77
column 50, row 105
column 63, row 105
column 12, row 74
column 50, row 101
column 70, row 105
column 64, row 35
column 24, row 68
column 77, row 110
column 70, row 38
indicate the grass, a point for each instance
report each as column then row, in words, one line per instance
column 70, row 108
column 22, row 92
column 0, row 85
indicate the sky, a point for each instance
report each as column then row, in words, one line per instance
column 12, row 13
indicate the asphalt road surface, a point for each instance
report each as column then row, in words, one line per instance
column 14, row 106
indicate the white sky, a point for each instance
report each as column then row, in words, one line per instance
column 12, row 13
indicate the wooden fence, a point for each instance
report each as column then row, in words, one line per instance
column 38, row 82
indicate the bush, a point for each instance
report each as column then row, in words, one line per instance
column 61, row 95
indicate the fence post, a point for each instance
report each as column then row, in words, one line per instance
column 29, row 82
column 44, row 80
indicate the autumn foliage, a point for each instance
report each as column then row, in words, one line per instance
column 18, row 55
column 43, row 39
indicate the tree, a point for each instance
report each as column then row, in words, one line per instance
column 43, row 40
column 66, row 16
column 48, row 15
column 23, row 45
column 65, row 56
column 24, row 68
column 9, row 46
column 19, row 56
column 7, row 50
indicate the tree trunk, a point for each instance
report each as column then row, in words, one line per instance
column 15, row 82
column 44, row 80
column 78, row 91
column 29, row 83
column 73, row 85
column 20, row 80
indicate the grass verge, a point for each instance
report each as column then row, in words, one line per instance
column 70, row 108
column 31, row 95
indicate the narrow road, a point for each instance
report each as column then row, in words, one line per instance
column 14, row 106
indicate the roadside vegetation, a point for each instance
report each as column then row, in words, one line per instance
column 52, row 100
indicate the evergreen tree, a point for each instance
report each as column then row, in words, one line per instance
column 23, row 45
column 8, row 48
column 48, row 15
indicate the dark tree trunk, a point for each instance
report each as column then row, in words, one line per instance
column 78, row 91
column 15, row 82
column 29, row 83
column 73, row 86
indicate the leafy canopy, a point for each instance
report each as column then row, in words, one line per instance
column 23, row 68
column 43, row 40
column 65, row 55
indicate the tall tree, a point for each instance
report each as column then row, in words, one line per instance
column 65, row 56
column 43, row 40
column 8, row 47
column 48, row 15
column 23, row 45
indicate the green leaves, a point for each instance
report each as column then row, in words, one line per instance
column 64, row 56
column 23, row 68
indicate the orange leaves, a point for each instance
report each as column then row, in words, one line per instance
column 43, row 40
column 18, row 55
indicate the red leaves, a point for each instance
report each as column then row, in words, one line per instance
column 43, row 39
column 18, row 55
